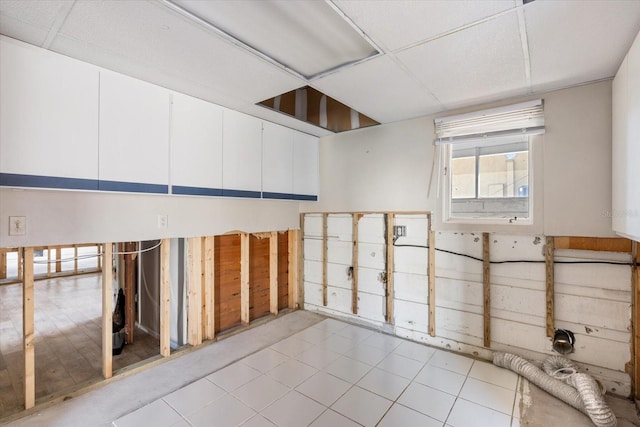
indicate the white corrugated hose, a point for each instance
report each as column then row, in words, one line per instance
column 578, row 390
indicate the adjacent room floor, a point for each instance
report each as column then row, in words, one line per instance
column 68, row 331
column 302, row 369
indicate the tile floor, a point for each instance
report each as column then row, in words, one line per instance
column 334, row 374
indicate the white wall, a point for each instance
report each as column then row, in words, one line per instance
column 387, row 167
column 61, row 217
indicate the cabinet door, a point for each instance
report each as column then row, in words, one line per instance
column 134, row 135
column 196, row 147
column 48, row 119
column 632, row 212
column 305, row 166
column 277, row 161
column 242, row 155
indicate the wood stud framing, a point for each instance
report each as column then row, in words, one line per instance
column 244, row 278
column 389, row 263
column 28, row 330
column 354, row 263
column 550, row 279
column 295, row 288
column 3, row 263
column 194, row 291
column 431, row 271
column 165, row 298
column 486, row 287
column 107, row 310
column 273, row 272
column 129, row 289
column 209, row 295
column 325, row 250
column 635, row 321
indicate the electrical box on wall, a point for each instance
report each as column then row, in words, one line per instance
column 17, row 225
column 399, row 231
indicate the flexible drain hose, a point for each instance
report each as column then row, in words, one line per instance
column 585, row 397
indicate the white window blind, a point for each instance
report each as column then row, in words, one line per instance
column 526, row 118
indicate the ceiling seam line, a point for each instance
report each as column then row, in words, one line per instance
column 524, row 39
column 61, row 17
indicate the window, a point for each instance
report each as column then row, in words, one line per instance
column 490, row 180
column 488, row 163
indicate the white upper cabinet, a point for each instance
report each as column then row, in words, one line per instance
column 242, row 155
column 305, row 165
column 196, row 146
column 134, row 135
column 277, row 161
column 626, row 146
column 48, row 116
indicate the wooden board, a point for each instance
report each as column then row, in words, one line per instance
column 194, row 291
column 273, row 272
column 129, row 289
column 165, row 298
column 296, row 295
column 486, row 288
column 607, row 244
column 389, row 267
column 107, row 310
column 259, row 277
column 283, row 270
column 208, row 271
column 354, row 264
column 28, row 330
column 550, row 283
column 227, row 281
column 3, row 263
column 635, row 351
column 245, row 284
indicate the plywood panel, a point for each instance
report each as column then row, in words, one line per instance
column 227, row 281
column 258, row 277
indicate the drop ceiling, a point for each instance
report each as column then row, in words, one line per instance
column 433, row 56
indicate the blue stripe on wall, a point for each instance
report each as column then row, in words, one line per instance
column 241, row 193
column 196, row 191
column 133, row 187
column 288, row 196
column 19, row 180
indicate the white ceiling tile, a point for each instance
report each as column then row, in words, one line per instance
column 29, row 20
column 153, row 43
column 574, row 42
column 472, row 66
column 383, row 91
column 398, row 23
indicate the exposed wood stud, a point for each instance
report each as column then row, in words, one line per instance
column 165, row 298
column 129, row 290
column 295, row 293
column 75, row 259
column 549, row 251
column 20, row 266
column 354, row 264
column 48, row 261
column 325, row 250
column 208, row 272
column 635, row 286
column 607, row 244
column 107, row 310
column 431, row 270
column 486, row 287
column 3, row 263
column 389, row 264
column 194, row 291
column 99, row 250
column 28, row 330
column 273, row 272
column 244, row 278
column 58, row 259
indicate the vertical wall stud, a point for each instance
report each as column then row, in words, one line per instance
column 635, row 286
column 486, row 287
column 325, row 250
column 48, row 261
column 431, row 271
column 28, row 330
column 58, row 259
column 244, row 278
column 3, row 263
column 354, row 263
column 550, row 279
column 194, row 291
column 129, row 289
column 273, row 272
column 389, row 276
column 107, row 309
column 209, row 288
column 165, row 298
column 296, row 299
column 75, row 259
column 20, row 265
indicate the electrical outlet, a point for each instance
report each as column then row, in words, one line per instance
column 163, row 221
column 17, row 225
column 399, row 230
